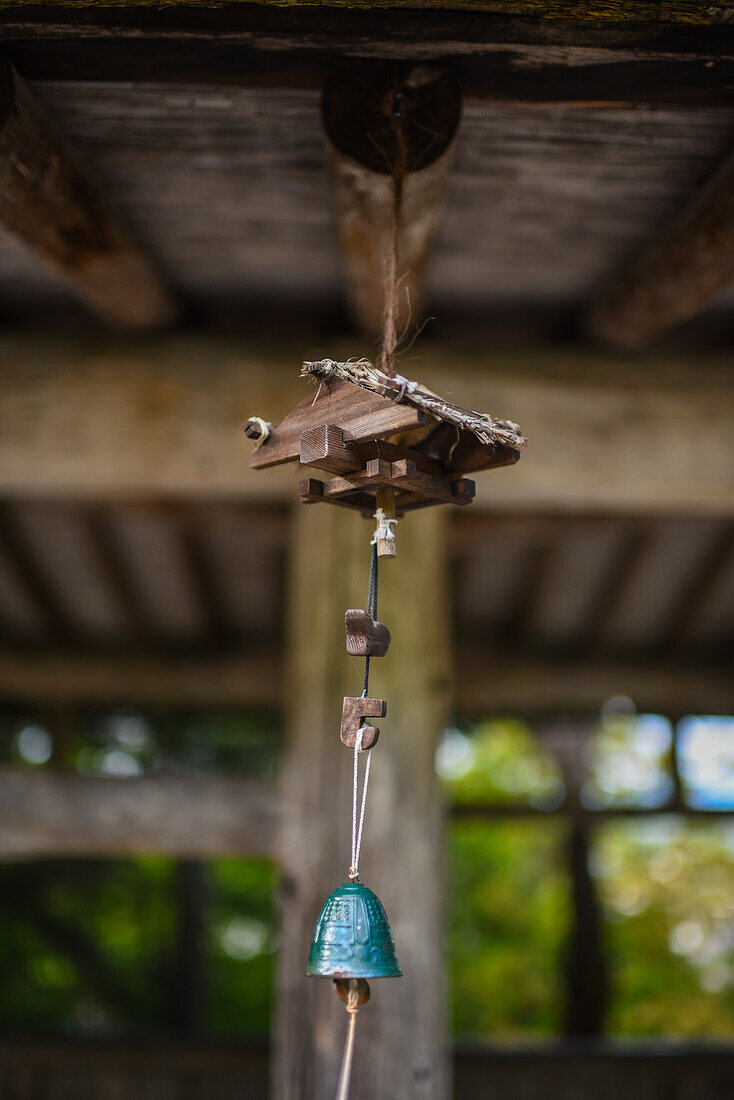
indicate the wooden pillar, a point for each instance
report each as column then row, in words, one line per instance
column 400, row 1049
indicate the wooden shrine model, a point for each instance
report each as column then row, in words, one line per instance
column 391, row 443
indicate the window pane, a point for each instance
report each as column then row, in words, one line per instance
column 667, row 885
column 705, row 747
column 509, row 917
column 628, row 762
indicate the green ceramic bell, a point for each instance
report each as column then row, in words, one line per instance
column 352, row 937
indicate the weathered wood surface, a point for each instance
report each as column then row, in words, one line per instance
column 46, row 813
column 623, row 11
column 227, row 189
column 49, row 205
column 602, row 53
column 605, row 434
column 679, row 275
column 404, row 1020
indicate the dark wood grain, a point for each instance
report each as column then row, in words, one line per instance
column 359, row 414
column 366, row 637
column 354, row 711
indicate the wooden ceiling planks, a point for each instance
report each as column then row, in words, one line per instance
column 228, row 190
column 619, row 582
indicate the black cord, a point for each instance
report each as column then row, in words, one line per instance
column 372, row 612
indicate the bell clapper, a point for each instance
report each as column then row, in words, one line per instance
column 352, row 987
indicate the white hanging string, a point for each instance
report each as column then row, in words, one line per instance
column 345, row 1073
column 358, row 824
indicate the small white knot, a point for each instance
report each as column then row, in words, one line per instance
column 385, row 530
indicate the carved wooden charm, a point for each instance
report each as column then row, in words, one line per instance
column 354, row 710
column 366, row 637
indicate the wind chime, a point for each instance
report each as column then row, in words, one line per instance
column 392, row 446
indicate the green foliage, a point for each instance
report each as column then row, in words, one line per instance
column 668, row 892
column 508, row 920
column 241, row 945
column 499, row 762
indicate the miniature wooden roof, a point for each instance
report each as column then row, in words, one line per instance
column 366, row 404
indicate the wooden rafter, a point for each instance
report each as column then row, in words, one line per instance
column 523, row 606
column 679, row 275
column 118, row 575
column 49, row 204
column 699, row 587
column 31, row 577
column 613, row 588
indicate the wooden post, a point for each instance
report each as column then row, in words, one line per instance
column 48, row 203
column 400, row 1034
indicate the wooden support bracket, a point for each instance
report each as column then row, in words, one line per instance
column 413, row 488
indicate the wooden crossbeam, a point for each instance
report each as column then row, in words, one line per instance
column 48, row 813
column 677, row 52
column 49, row 204
column 678, row 276
column 489, row 679
column 168, row 416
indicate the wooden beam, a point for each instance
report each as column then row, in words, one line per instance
column 606, row 53
column 678, row 276
column 168, row 416
column 47, row 202
column 402, row 845
column 491, row 682
column 612, row 11
column 44, row 813
column 246, row 679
